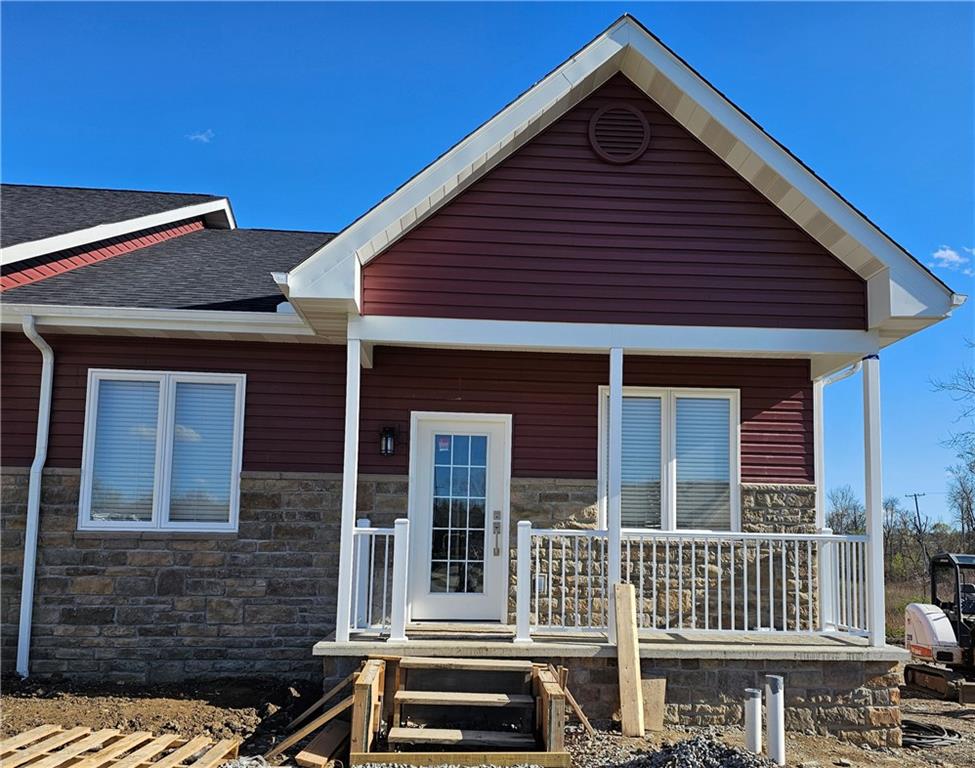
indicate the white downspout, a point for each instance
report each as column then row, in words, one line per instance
column 34, row 495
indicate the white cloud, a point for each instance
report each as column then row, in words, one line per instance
column 203, row 137
column 144, row 432
column 947, row 257
column 186, row 434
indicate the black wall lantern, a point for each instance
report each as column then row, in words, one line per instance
column 387, row 441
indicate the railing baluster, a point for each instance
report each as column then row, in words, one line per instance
column 758, row 584
column 795, row 582
column 655, row 585
column 707, row 582
column 785, row 588
column 667, row 585
column 575, row 574
column 771, row 586
column 720, row 586
column 694, row 583
column 680, row 583
column 386, row 616
column 809, row 586
column 563, row 590
column 536, row 576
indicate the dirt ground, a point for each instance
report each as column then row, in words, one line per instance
column 258, row 711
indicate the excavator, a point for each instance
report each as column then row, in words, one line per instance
column 941, row 634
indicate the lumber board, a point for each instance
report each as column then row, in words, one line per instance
column 146, row 753
column 112, row 750
column 628, row 661
column 367, row 694
column 319, row 752
column 469, row 665
column 45, row 745
column 25, row 738
column 91, row 741
column 425, row 759
column 218, row 753
column 321, row 702
column 464, row 699
column 654, row 702
column 180, row 754
column 552, row 713
column 461, row 737
column 314, row 725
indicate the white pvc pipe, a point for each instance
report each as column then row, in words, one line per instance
column 775, row 717
column 34, row 496
column 753, row 720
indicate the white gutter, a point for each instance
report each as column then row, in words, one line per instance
column 840, row 375
column 34, row 496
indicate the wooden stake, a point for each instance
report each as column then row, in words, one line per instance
column 628, row 661
column 319, row 751
column 323, row 700
column 314, row 725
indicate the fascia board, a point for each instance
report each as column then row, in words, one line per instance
column 29, row 250
column 457, row 167
column 131, row 318
column 911, row 275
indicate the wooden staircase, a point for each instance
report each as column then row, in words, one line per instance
column 458, row 711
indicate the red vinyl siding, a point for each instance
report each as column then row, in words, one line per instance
column 294, row 402
column 294, row 410
column 554, row 233
column 553, row 401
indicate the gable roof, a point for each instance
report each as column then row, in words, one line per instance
column 36, row 220
column 206, row 269
column 904, row 296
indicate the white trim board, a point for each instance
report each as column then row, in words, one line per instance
column 219, row 210
column 899, row 285
column 162, row 322
column 595, row 337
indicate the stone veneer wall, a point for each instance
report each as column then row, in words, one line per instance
column 856, row 701
column 160, row 606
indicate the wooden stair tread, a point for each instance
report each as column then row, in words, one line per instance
column 448, row 698
column 470, row 665
column 458, row 737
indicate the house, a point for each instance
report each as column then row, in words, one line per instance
column 588, row 344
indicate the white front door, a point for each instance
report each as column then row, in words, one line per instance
column 459, row 479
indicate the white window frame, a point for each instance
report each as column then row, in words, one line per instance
column 167, row 381
column 668, row 449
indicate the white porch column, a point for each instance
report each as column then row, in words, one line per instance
column 614, row 498
column 350, row 477
column 819, row 452
column 873, row 491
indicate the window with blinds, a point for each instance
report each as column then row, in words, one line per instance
column 162, row 450
column 680, row 458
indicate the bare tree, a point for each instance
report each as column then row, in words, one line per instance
column 961, row 387
column 961, row 501
column 846, row 514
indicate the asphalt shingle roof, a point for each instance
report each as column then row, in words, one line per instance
column 228, row 269
column 29, row 212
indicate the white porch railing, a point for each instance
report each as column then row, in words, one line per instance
column 722, row 582
column 379, row 572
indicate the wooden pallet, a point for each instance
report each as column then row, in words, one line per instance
column 52, row 746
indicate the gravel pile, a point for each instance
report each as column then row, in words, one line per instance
column 699, row 752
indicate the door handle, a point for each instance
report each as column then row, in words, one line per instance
column 496, row 529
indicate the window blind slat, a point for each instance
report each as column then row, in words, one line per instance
column 703, row 463
column 203, row 452
column 124, row 463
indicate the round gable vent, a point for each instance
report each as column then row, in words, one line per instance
column 619, row 133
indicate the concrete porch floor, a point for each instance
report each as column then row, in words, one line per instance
column 497, row 640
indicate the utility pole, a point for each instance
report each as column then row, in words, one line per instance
column 919, row 526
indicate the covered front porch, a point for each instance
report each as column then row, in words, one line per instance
column 791, row 586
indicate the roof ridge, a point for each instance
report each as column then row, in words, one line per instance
column 111, row 189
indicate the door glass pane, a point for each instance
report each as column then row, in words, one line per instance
column 203, row 453
column 641, row 462
column 123, row 470
column 457, row 551
column 703, row 463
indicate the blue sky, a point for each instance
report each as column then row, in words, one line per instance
column 307, row 114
